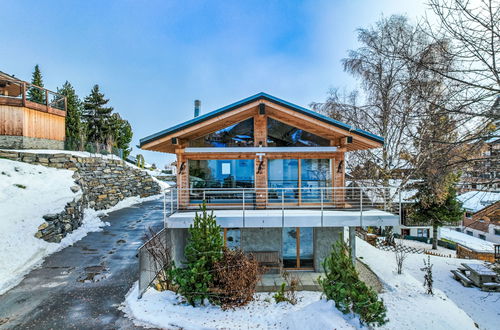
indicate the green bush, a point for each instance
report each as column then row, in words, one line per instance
column 203, row 250
column 351, row 295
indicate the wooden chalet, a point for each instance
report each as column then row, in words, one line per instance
column 28, row 122
column 273, row 172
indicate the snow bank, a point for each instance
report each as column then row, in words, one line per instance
column 408, row 307
column 466, row 240
column 27, row 192
column 165, row 310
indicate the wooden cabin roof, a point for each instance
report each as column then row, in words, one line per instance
column 276, row 108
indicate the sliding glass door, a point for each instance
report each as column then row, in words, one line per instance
column 283, row 180
column 315, row 174
column 286, row 175
column 298, row 250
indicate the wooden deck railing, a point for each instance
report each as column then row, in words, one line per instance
column 23, row 94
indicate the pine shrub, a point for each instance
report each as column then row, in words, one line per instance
column 341, row 284
column 203, row 250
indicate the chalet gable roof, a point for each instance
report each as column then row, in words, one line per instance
column 252, row 99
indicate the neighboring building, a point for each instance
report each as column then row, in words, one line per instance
column 403, row 197
column 31, row 117
column 484, row 174
column 274, row 174
column 482, row 218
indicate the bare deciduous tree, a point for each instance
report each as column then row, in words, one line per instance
column 400, row 255
column 389, row 98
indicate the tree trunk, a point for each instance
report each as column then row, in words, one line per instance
column 434, row 237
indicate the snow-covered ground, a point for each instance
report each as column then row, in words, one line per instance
column 27, row 192
column 425, row 246
column 165, row 310
column 452, row 306
column 482, row 307
column 408, row 307
column 466, row 240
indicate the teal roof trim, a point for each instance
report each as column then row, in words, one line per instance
column 251, row 99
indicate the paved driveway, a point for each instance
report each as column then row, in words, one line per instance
column 81, row 286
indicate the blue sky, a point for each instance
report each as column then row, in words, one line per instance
column 154, row 58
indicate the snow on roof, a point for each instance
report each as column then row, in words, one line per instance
column 377, row 195
column 474, row 201
column 466, row 240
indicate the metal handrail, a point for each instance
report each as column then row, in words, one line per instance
column 322, row 198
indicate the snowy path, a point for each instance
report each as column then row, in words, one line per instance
column 61, row 293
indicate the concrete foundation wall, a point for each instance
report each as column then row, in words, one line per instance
column 24, row 142
column 323, row 239
column 265, row 239
column 178, row 240
column 261, row 239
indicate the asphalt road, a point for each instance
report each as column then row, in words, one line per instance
column 82, row 286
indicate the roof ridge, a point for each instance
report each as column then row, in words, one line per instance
column 253, row 98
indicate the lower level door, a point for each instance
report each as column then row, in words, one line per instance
column 298, row 251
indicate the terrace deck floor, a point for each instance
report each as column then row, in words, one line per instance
column 270, row 218
column 308, row 280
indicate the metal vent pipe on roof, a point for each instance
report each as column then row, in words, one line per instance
column 197, row 105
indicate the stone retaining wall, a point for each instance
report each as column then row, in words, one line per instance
column 103, row 181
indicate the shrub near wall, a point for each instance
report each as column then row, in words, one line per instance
column 103, row 181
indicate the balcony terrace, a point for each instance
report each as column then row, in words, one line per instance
column 15, row 92
column 284, row 207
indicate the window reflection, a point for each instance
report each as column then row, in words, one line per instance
column 282, row 135
column 237, row 135
column 315, row 174
column 221, row 173
column 283, row 173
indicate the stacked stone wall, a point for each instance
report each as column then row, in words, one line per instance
column 103, row 182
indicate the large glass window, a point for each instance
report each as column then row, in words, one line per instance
column 284, row 179
column 282, row 135
column 283, row 174
column 237, row 135
column 315, row 174
column 298, row 251
column 221, row 173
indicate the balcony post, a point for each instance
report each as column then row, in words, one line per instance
column 282, row 207
column 171, row 201
column 361, row 207
column 24, row 93
column 243, row 207
column 164, row 208
column 321, row 194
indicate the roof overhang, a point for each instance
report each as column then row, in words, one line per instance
column 275, row 108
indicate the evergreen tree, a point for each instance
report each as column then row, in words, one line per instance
column 96, row 115
column 203, row 250
column 435, row 213
column 124, row 138
column 341, row 284
column 74, row 125
column 35, row 94
column 118, row 133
